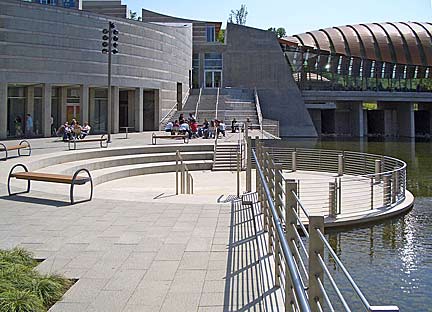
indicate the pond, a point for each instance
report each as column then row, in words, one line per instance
column 391, row 261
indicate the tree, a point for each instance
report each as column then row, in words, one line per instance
column 221, row 35
column 134, row 16
column 280, row 32
column 238, row 16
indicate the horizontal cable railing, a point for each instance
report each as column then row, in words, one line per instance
column 346, row 179
column 285, row 212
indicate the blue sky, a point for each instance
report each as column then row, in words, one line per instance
column 294, row 15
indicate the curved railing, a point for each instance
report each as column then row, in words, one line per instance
column 352, row 182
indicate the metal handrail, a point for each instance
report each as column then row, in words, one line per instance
column 198, row 103
column 184, row 170
column 217, row 104
column 299, row 290
column 258, row 108
column 175, row 105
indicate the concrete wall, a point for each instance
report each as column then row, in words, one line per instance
column 253, row 58
column 112, row 7
column 45, row 44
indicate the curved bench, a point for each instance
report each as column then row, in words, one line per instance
column 104, row 140
column 73, row 180
column 22, row 145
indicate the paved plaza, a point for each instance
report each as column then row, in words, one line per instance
column 154, row 252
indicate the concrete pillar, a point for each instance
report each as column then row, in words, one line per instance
column 131, row 112
column 157, row 108
column 3, row 110
column 46, row 110
column 63, row 103
column 115, row 109
column 357, row 120
column 92, row 93
column 139, row 109
column 405, row 120
column 84, row 99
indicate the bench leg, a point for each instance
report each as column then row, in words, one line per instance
column 27, row 147
column 4, row 150
column 72, row 200
column 9, row 180
column 153, row 141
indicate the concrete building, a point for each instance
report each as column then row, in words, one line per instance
column 355, row 80
column 113, row 8
column 51, row 64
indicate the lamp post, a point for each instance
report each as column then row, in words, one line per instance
column 110, row 44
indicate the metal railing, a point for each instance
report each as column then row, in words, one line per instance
column 173, row 110
column 186, row 183
column 217, row 103
column 258, row 109
column 356, row 176
column 298, row 250
column 198, row 103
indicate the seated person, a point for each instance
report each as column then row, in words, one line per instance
column 221, row 128
column 76, row 131
column 176, row 127
column 184, row 128
column 169, row 127
column 85, row 130
column 194, row 128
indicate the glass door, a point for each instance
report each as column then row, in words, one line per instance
column 213, row 79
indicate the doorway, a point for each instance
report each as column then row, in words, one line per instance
column 72, row 112
column 213, row 79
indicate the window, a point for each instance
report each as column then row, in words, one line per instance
column 49, row 2
column 213, row 61
column 211, row 33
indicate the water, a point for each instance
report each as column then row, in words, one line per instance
column 391, row 261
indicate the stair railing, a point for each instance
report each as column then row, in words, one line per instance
column 186, row 184
column 170, row 112
column 198, row 103
column 258, row 109
column 217, row 103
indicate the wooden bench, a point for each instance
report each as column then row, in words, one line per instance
column 22, row 145
column 104, row 140
column 53, row 178
column 185, row 137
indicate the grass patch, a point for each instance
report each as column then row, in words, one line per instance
column 22, row 288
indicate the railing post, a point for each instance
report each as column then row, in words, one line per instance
column 372, row 192
column 238, row 173
column 395, row 186
column 187, row 182
column 264, row 201
column 332, row 199
column 291, row 237
column 316, row 247
column 191, row 184
column 278, row 206
column 386, row 190
column 340, row 165
column 177, row 172
column 249, row 165
column 182, row 179
column 270, row 184
column 377, row 170
column 294, row 161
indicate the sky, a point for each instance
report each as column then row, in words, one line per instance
column 296, row 16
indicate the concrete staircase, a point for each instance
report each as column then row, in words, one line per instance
column 238, row 104
column 225, row 158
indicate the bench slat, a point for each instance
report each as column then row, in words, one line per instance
column 13, row 147
column 169, row 136
column 89, row 140
column 49, row 177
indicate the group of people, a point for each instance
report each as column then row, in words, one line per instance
column 28, row 126
column 190, row 127
column 73, row 130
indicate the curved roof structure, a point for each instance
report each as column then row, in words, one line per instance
column 407, row 43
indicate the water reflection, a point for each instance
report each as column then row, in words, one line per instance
column 391, row 261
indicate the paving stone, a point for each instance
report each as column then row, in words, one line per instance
column 85, row 290
column 181, row 302
column 162, row 270
column 68, row 307
column 125, row 279
column 110, row 301
column 195, row 260
column 138, row 261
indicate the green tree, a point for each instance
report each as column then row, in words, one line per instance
column 221, row 35
column 134, row 16
column 238, row 16
column 280, row 32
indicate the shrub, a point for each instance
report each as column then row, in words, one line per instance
column 24, row 289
